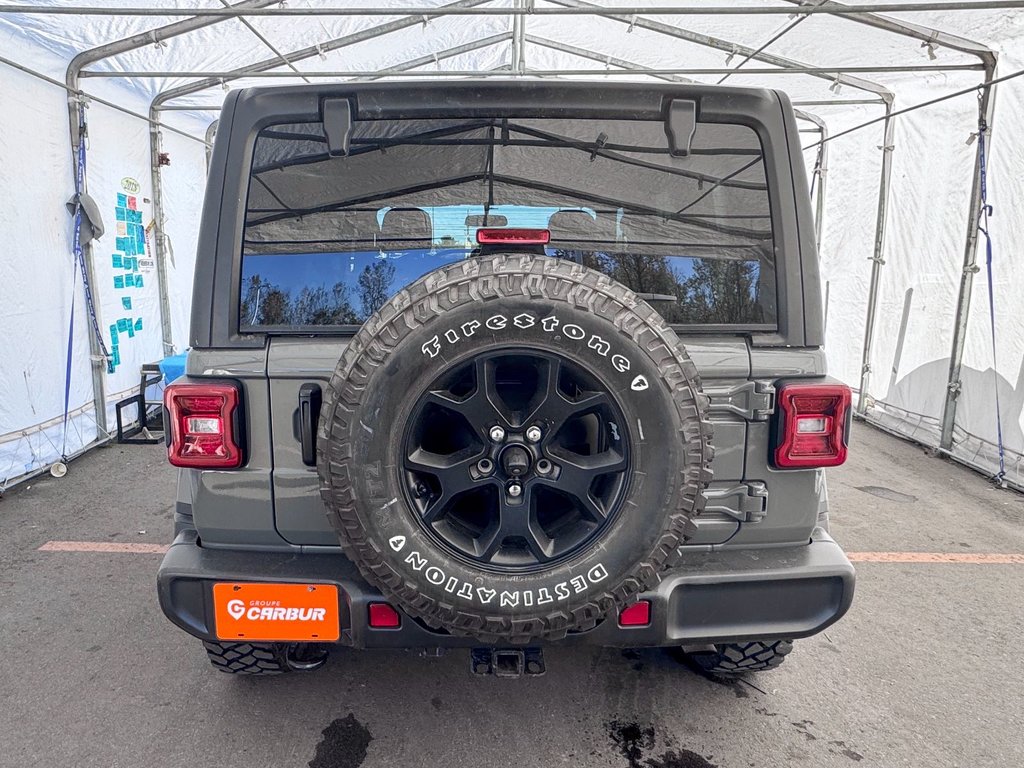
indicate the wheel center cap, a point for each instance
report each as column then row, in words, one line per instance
column 515, row 460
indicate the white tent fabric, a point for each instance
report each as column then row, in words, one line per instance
column 929, row 204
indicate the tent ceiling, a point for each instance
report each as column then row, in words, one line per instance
column 303, row 37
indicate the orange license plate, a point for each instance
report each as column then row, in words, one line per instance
column 276, row 612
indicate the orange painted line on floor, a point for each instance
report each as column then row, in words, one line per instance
column 132, row 548
column 937, row 557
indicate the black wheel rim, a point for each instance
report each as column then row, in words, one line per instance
column 516, row 460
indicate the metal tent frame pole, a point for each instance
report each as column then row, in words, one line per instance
column 986, row 104
column 75, row 117
column 877, row 260
column 822, row 173
column 830, row 73
column 826, row 8
column 986, row 109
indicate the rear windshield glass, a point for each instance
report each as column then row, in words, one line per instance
column 329, row 239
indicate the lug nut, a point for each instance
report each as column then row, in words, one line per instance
column 533, row 434
column 497, row 434
column 485, row 466
column 515, row 490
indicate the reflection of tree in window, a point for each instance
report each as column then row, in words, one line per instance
column 717, row 291
column 720, row 291
column 375, row 286
column 265, row 303
column 318, row 306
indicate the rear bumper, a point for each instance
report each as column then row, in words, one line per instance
column 712, row 597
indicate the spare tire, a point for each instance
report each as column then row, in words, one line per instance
column 513, row 446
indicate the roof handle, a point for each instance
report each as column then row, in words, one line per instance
column 680, row 125
column 337, row 119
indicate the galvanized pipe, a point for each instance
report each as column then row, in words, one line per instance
column 986, row 108
column 75, row 107
column 320, row 74
column 885, row 178
column 301, row 54
column 726, row 46
column 830, row 8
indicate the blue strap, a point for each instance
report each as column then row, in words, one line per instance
column 983, row 215
column 79, row 257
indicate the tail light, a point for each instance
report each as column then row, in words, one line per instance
column 513, row 236
column 813, row 426
column 203, row 424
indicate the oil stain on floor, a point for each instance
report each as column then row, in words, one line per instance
column 343, row 744
column 634, row 741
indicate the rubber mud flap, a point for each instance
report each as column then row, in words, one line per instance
column 514, row 446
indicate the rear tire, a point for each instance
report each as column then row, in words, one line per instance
column 740, row 658
column 247, row 658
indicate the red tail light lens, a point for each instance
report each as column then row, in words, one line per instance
column 513, row 236
column 813, row 424
column 202, row 420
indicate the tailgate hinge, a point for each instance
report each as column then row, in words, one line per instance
column 754, row 400
column 745, row 502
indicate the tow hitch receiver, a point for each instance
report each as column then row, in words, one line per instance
column 507, row 662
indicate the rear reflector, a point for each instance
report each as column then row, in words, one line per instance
column 636, row 615
column 383, row 616
column 812, row 427
column 203, row 425
column 513, row 236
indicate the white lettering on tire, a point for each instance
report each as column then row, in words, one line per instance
column 550, row 324
column 417, row 561
column 432, row 348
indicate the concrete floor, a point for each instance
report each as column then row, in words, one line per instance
column 926, row 669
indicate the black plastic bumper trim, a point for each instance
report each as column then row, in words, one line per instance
column 712, row 597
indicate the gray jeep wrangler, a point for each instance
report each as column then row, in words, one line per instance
column 492, row 366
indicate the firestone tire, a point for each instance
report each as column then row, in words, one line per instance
column 477, row 307
column 739, row 658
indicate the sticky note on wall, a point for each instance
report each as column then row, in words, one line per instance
column 118, row 282
column 126, row 302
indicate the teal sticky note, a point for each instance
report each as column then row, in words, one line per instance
column 138, row 281
column 122, row 244
column 122, row 324
column 119, row 281
column 129, row 280
column 135, row 263
column 113, row 333
column 122, row 200
column 120, row 214
column 126, row 302
column 138, row 324
column 115, row 353
column 115, row 260
column 131, row 330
